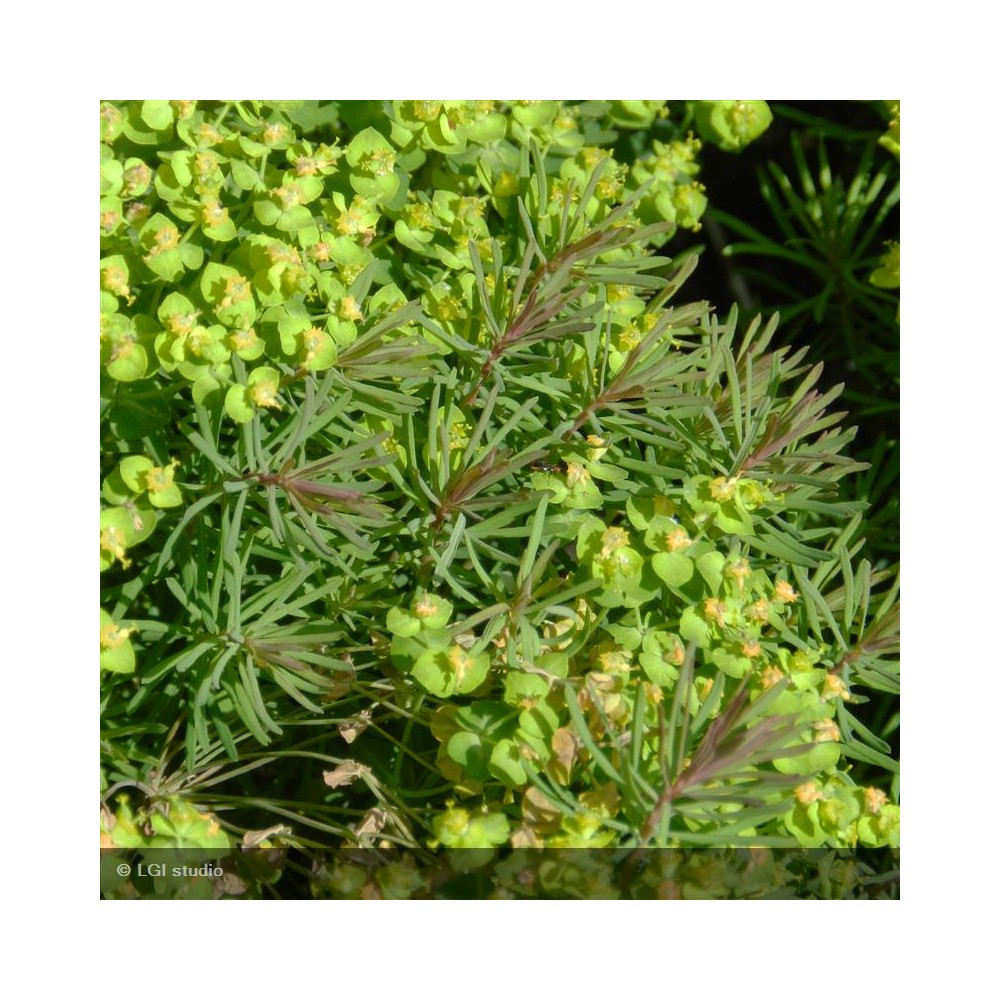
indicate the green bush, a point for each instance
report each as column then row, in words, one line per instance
column 820, row 247
column 434, row 514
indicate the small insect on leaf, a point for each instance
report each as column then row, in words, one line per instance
column 550, row 467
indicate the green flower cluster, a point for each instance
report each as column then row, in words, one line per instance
column 278, row 247
column 134, row 489
column 672, row 579
column 177, row 825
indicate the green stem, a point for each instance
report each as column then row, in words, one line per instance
column 226, row 108
column 397, row 771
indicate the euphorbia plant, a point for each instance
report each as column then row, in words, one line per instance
column 417, row 456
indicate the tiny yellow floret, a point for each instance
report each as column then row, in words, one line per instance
column 826, row 731
column 809, row 792
column 875, row 798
